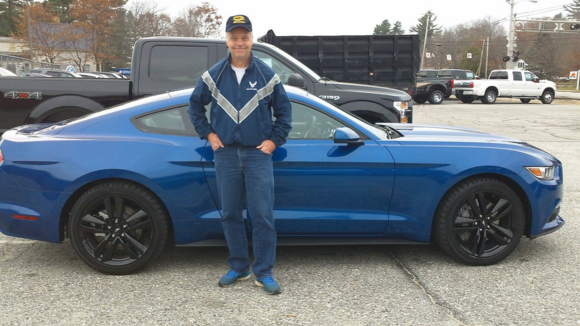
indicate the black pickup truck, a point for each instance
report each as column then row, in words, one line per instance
column 163, row 64
column 432, row 87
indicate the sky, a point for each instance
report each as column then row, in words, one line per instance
column 322, row 17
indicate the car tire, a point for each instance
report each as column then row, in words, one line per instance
column 467, row 98
column 547, row 97
column 525, row 100
column 436, row 97
column 117, row 227
column 420, row 100
column 489, row 97
column 479, row 234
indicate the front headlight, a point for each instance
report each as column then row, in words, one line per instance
column 542, row 172
column 401, row 106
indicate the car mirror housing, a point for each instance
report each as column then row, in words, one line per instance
column 296, row 80
column 346, row 135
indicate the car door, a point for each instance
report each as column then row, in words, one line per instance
column 323, row 188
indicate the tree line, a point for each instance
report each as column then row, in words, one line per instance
column 547, row 54
column 99, row 31
column 104, row 31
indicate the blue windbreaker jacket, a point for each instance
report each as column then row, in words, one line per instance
column 241, row 113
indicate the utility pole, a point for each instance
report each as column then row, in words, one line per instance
column 486, row 58
column 425, row 41
column 29, row 35
column 512, row 33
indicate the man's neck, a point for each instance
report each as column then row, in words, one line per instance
column 240, row 63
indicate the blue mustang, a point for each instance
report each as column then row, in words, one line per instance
column 121, row 182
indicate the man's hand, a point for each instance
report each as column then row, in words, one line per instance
column 267, row 146
column 214, row 141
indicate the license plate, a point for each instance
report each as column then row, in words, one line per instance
column 467, row 92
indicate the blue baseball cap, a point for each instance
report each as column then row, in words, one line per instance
column 239, row 21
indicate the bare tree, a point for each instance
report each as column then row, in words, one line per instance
column 198, row 21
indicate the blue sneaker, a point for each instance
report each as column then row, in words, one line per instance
column 232, row 277
column 269, row 285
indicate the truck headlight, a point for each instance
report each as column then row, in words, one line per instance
column 542, row 172
column 401, row 106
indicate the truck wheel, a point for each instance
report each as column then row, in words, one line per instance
column 547, row 97
column 525, row 100
column 419, row 100
column 489, row 97
column 436, row 97
column 467, row 98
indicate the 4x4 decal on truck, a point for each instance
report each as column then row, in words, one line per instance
column 23, row 95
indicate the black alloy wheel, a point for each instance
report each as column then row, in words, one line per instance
column 480, row 221
column 117, row 227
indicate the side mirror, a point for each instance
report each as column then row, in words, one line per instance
column 346, row 135
column 536, row 80
column 296, row 80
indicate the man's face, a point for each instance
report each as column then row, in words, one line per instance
column 239, row 41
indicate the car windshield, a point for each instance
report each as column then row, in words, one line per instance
column 294, row 61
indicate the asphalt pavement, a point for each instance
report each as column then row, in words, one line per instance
column 43, row 284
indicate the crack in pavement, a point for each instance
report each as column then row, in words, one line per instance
column 8, row 258
column 415, row 279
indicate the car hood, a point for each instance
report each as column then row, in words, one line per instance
column 432, row 133
column 384, row 92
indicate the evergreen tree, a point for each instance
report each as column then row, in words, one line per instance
column 573, row 8
column 398, row 29
column 385, row 28
column 10, row 15
column 60, row 8
column 420, row 27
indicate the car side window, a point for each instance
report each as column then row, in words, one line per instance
column 281, row 69
column 173, row 121
column 529, row 76
column 178, row 64
column 309, row 123
column 517, row 75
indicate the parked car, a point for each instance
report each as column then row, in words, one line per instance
column 120, row 183
column 56, row 73
column 109, row 74
column 89, row 75
column 31, row 74
column 508, row 83
column 6, row 72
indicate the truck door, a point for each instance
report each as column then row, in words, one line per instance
column 531, row 88
column 517, row 87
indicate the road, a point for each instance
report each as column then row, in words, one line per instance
column 42, row 283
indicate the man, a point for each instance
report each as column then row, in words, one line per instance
column 243, row 92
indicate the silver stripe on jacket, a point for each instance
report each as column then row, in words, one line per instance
column 252, row 104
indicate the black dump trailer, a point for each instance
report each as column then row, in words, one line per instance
column 382, row 60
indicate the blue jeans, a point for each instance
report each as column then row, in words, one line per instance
column 246, row 175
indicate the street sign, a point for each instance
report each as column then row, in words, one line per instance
column 469, row 56
column 71, row 69
column 428, row 55
column 449, row 57
column 573, row 74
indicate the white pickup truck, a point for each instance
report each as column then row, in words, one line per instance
column 520, row 84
